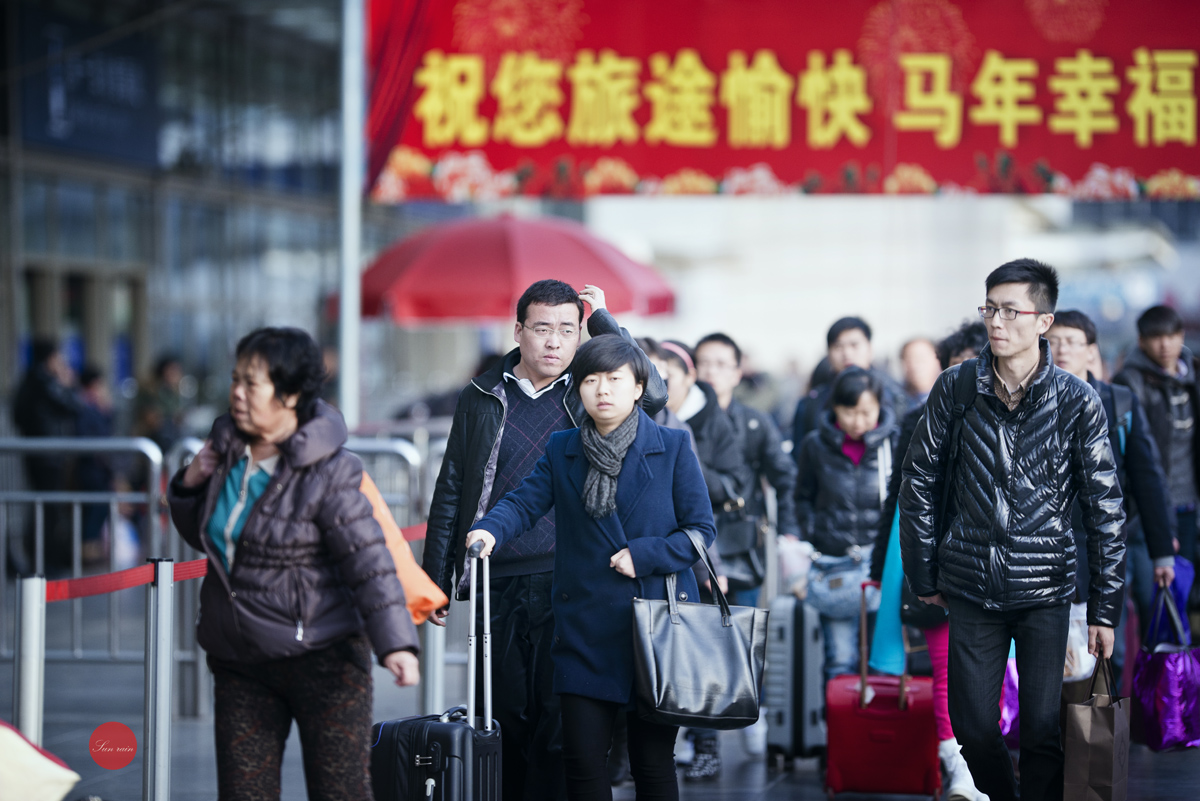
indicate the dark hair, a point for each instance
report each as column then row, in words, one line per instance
column 1041, row 278
column 970, row 336
column 847, row 324
column 165, row 361
column 721, row 339
column 548, row 292
column 294, row 363
column 851, row 383
column 42, row 349
column 89, row 375
column 1157, row 321
column 606, row 353
column 672, row 354
column 1073, row 318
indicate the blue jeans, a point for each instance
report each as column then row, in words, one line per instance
column 841, row 645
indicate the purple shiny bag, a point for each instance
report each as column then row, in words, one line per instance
column 1166, row 687
column 1010, row 708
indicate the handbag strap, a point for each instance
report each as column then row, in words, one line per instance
column 1165, row 599
column 718, row 596
column 1104, row 665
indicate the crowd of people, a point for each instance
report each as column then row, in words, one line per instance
column 1005, row 477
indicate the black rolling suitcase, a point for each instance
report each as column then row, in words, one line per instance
column 794, row 686
column 450, row 757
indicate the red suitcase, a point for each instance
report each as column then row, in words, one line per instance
column 886, row 745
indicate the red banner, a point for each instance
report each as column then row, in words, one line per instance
column 570, row 98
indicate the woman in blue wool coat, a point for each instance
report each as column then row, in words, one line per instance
column 622, row 489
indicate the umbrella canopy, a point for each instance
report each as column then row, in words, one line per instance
column 478, row 268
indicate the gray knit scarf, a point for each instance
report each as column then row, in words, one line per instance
column 605, row 455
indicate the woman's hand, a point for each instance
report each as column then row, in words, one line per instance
column 622, row 562
column 404, row 667
column 592, row 296
column 201, row 467
column 480, row 535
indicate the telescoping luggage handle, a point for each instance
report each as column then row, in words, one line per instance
column 474, row 552
column 864, row 652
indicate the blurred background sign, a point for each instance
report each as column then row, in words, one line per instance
column 481, row 99
column 85, row 97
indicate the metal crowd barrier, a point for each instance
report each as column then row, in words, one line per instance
column 159, row 577
column 150, row 498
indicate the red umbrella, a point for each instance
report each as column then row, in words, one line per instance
column 478, row 268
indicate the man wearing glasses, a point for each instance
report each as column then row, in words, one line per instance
column 502, row 422
column 1033, row 440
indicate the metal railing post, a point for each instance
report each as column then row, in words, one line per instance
column 160, row 653
column 433, row 669
column 29, row 674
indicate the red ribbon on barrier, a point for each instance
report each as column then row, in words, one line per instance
column 414, row 533
column 66, row 589
column 197, row 568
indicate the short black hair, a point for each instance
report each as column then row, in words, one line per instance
column 851, row 383
column 847, row 324
column 606, row 353
column 42, row 349
column 89, row 375
column 165, row 361
column 1073, row 318
column 1041, row 278
column 970, row 336
column 721, row 339
column 1159, row 321
column 548, row 292
column 294, row 363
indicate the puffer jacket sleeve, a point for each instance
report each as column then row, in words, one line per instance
column 186, row 504
column 808, row 467
column 654, row 396
column 442, row 526
column 780, row 470
column 921, row 486
column 1148, row 486
column 883, row 538
column 1095, row 475
column 359, row 553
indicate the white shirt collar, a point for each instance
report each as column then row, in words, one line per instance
column 527, row 386
column 692, row 404
column 266, row 465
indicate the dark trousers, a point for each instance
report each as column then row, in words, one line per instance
column 525, row 705
column 979, row 643
column 587, row 735
column 327, row 693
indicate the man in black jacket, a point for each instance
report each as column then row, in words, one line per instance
column 1162, row 374
column 1032, row 440
column 849, row 345
column 502, row 422
column 1149, row 518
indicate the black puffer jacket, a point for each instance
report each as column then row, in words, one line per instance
column 312, row 566
column 1009, row 543
column 463, row 493
column 837, row 502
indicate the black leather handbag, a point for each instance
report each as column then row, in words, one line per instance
column 698, row 664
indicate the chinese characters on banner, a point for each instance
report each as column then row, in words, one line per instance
column 569, row 98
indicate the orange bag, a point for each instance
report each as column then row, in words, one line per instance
column 420, row 593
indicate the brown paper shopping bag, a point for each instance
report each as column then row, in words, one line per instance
column 1096, row 749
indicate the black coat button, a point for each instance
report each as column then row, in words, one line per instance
column 566, row 597
column 557, row 640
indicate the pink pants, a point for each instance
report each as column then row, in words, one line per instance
column 938, row 639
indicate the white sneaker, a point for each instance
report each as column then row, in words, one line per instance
column 959, row 784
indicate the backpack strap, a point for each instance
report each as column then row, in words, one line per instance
column 1122, row 419
column 965, row 391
